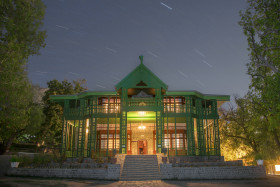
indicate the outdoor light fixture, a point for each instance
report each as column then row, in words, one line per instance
column 142, row 127
column 86, row 130
column 277, row 167
column 141, row 113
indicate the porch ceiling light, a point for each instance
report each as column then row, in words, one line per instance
column 142, row 127
column 277, row 167
column 141, row 113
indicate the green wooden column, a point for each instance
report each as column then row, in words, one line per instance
column 200, row 128
column 216, row 129
column 175, row 124
column 190, row 126
column 206, row 113
column 81, row 129
column 64, row 127
column 159, row 128
column 123, row 123
column 92, row 127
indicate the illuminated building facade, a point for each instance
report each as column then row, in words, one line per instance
column 140, row 117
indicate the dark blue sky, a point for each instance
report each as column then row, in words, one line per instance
column 188, row 44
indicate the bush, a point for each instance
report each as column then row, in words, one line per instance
column 26, row 161
column 15, row 159
column 42, row 160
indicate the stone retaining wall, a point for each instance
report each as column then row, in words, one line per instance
column 120, row 160
column 111, row 173
column 223, row 172
column 180, row 159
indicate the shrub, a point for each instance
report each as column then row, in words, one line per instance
column 26, row 161
column 42, row 160
column 15, row 159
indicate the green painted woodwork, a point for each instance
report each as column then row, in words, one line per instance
column 89, row 111
column 141, row 114
column 123, row 126
column 141, row 73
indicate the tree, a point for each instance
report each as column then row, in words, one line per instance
column 245, row 128
column 51, row 130
column 21, row 36
column 261, row 26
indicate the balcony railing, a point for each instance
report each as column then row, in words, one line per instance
column 142, row 102
column 177, row 109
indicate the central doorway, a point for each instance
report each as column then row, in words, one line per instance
column 142, row 147
column 141, row 124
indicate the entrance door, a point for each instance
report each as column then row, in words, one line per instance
column 142, row 147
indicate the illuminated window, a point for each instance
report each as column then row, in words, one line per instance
column 171, row 142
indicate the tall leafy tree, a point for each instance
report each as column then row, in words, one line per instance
column 245, row 128
column 21, row 36
column 261, row 26
column 52, row 127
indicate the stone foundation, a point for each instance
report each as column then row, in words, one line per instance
column 182, row 159
column 110, row 173
column 223, row 172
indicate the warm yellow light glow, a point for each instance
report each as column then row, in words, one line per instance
column 142, row 127
column 87, row 122
column 141, row 113
column 277, row 167
column 87, row 131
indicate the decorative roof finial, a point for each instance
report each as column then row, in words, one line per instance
column 141, row 59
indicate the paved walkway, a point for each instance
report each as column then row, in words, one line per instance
column 271, row 181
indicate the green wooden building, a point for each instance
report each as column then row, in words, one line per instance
column 140, row 117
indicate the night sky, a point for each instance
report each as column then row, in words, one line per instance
column 188, row 44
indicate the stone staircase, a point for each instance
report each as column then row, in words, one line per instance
column 140, row 167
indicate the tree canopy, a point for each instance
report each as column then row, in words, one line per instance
column 261, row 26
column 21, row 36
column 255, row 122
column 51, row 130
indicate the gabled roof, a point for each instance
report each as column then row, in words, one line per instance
column 141, row 77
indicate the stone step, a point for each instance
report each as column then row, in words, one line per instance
column 140, row 172
column 140, row 161
column 141, row 155
column 144, row 160
column 140, row 175
column 139, row 178
column 140, row 167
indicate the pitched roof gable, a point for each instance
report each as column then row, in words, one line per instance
column 141, row 77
